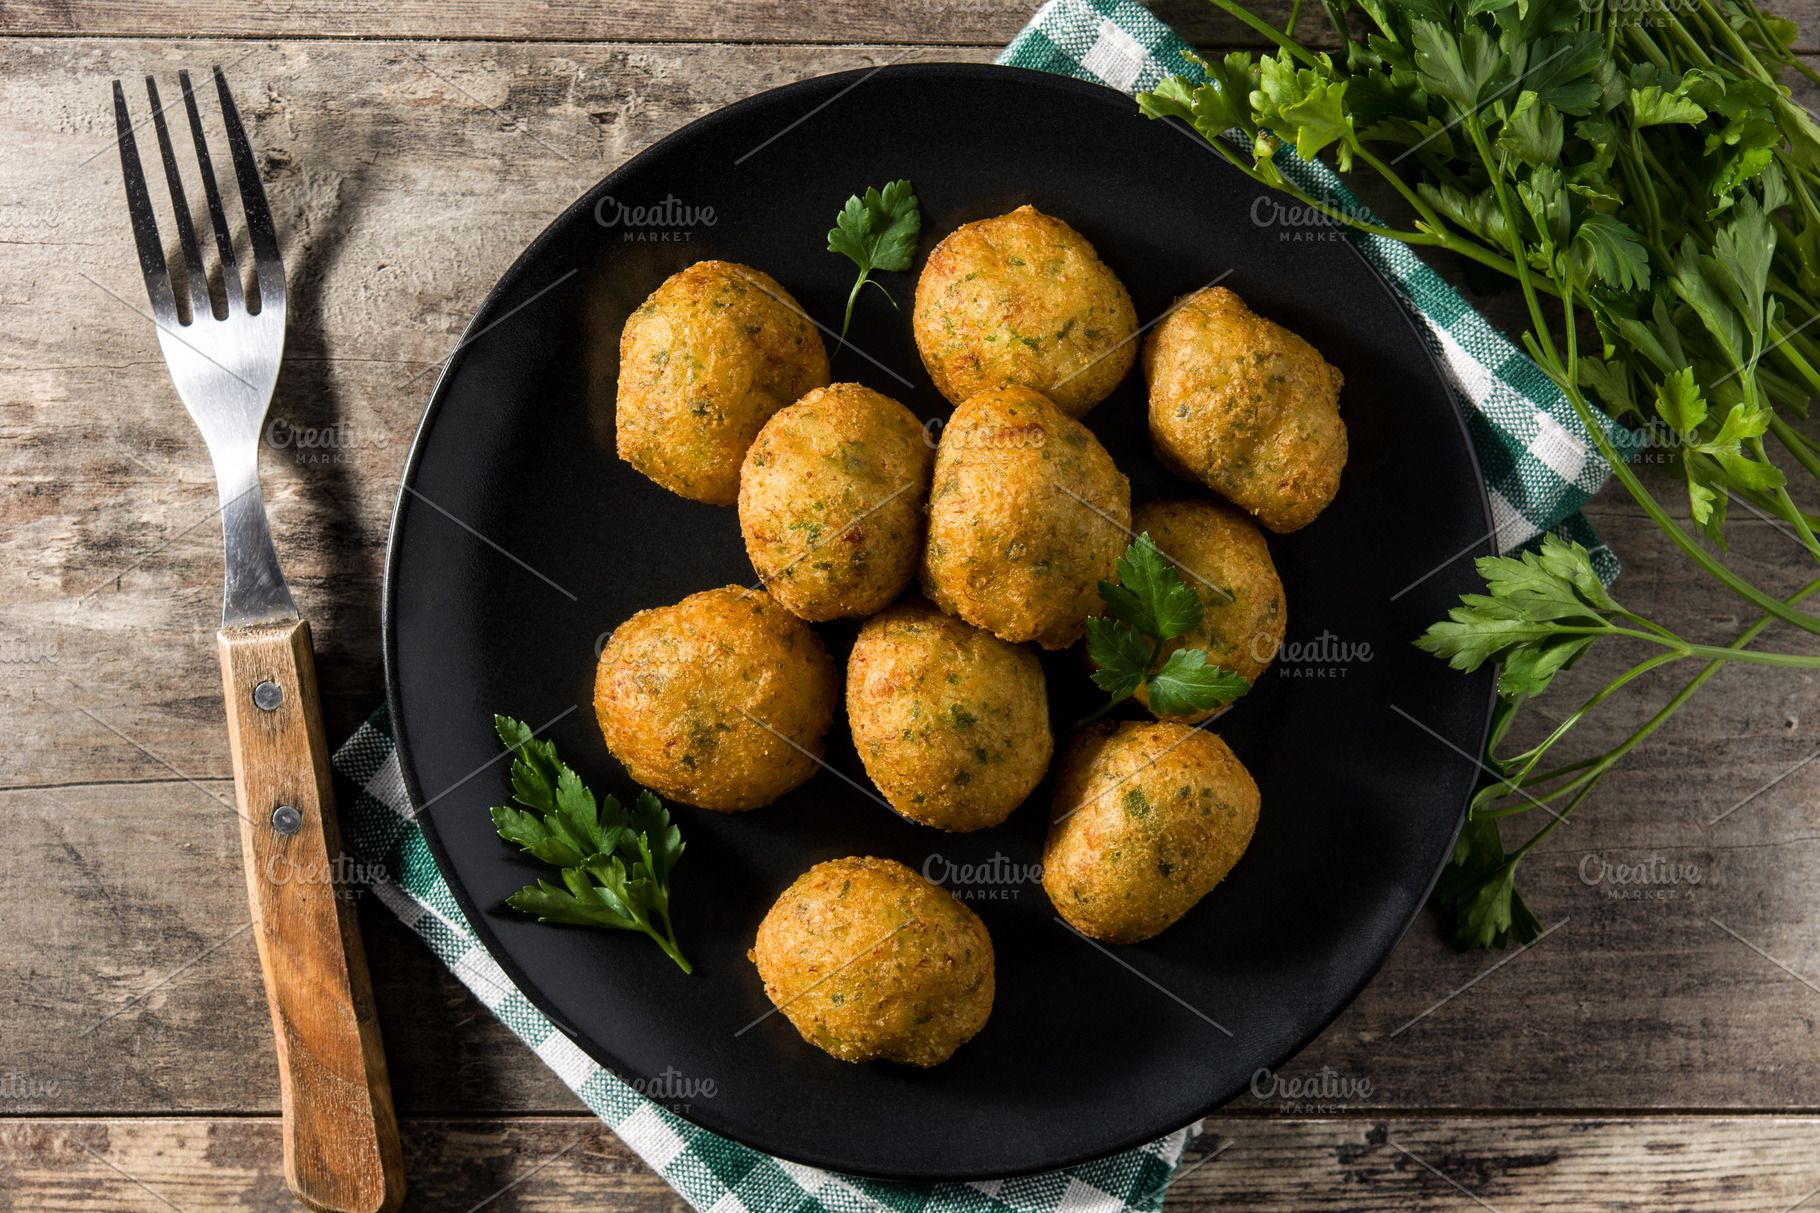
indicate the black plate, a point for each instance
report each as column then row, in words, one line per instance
column 1081, row 1057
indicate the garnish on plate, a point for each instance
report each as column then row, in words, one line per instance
column 877, row 232
column 615, row 864
column 1147, row 608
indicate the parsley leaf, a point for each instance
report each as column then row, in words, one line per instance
column 1187, row 684
column 1147, row 607
column 1544, row 611
column 1478, row 888
column 1120, row 652
column 1303, row 102
column 615, row 866
column 1534, row 131
column 1613, row 252
column 1653, row 107
column 1149, row 594
column 876, row 232
column 1214, row 107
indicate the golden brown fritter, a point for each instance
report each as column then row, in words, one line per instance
column 684, row 695
column 1223, row 558
column 831, row 501
column 1246, row 407
column 871, row 962
column 1027, row 515
column 1023, row 299
column 951, row 722
column 703, row 363
column 1148, row 819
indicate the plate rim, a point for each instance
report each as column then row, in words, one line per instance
column 483, row 317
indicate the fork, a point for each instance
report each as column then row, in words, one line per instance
column 341, row 1149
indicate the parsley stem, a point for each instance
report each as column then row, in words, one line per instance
column 670, row 946
column 1269, row 31
column 1675, row 644
column 1794, row 445
column 1535, row 753
column 1601, row 763
column 847, row 320
column 1100, row 711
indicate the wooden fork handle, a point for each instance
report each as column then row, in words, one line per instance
column 341, row 1151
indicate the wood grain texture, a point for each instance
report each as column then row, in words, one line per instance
column 1281, row 1165
column 940, row 22
column 341, row 1151
column 989, row 23
column 405, row 178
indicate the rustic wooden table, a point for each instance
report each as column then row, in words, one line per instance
column 1653, row 1053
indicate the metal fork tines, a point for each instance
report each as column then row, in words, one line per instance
column 224, row 368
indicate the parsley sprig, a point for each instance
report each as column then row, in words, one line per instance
column 1542, row 611
column 1145, row 609
column 877, row 232
column 615, row 865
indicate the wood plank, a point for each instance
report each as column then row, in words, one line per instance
column 984, row 23
column 195, row 1165
column 942, row 22
column 939, row 22
column 1500, row 1163
column 1292, row 1164
column 131, row 992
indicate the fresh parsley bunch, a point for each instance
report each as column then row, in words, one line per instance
column 615, row 865
column 877, row 232
column 1639, row 165
column 1148, row 607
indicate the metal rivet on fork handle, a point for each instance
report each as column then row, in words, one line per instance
column 286, row 819
column 268, row 695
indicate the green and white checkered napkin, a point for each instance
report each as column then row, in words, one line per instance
column 1539, row 462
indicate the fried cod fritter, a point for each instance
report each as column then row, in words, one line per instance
column 870, row 961
column 1023, row 299
column 1223, row 558
column 684, row 695
column 1148, row 819
column 951, row 722
column 1246, row 407
column 1027, row 515
column 703, row 363
column 831, row 501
